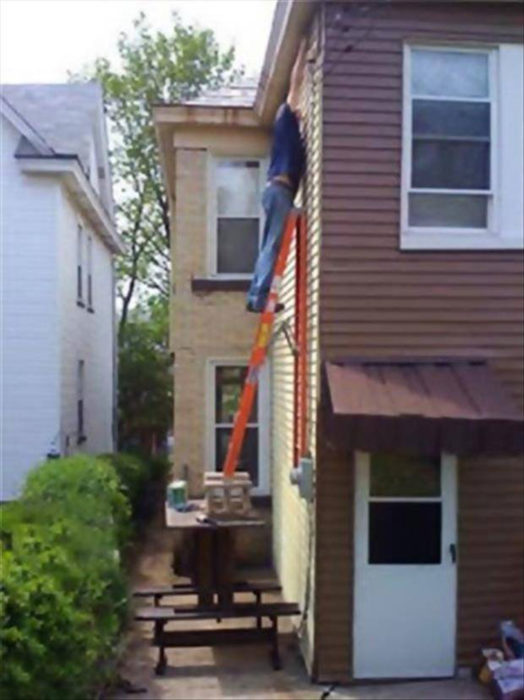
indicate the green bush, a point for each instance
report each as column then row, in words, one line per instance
column 62, row 594
column 140, row 477
column 159, row 467
column 133, row 473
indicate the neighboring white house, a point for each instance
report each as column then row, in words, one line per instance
column 57, row 286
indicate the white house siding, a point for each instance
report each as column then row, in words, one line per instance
column 85, row 336
column 29, row 406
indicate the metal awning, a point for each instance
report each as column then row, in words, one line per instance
column 424, row 406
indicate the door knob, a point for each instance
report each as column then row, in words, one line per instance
column 453, row 552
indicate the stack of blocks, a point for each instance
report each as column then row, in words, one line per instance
column 228, row 497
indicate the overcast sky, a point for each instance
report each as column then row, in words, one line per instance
column 40, row 40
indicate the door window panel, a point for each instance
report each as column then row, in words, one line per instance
column 405, row 533
column 229, row 382
column 248, row 460
column 396, row 476
column 405, row 510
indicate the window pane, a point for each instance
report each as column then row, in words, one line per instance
column 396, row 475
column 452, row 165
column 449, row 73
column 229, row 382
column 404, row 533
column 442, row 210
column 248, row 461
column 238, row 188
column 444, row 118
column 237, row 245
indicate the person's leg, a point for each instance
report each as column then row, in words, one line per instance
column 277, row 202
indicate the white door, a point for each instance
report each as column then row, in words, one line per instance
column 405, row 570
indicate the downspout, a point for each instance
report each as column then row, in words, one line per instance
column 114, row 426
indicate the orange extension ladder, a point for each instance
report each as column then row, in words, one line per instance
column 295, row 222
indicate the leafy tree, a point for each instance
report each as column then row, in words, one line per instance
column 154, row 66
column 145, row 378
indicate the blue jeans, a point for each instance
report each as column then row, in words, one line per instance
column 277, row 201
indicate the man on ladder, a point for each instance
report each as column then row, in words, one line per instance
column 284, row 174
column 286, row 167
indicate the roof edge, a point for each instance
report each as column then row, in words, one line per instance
column 24, row 127
column 290, row 21
column 202, row 115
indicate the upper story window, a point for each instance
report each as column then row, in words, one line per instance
column 80, row 264
column 90, row 273
column 456, row 153
column 235, row 225
column 80, row 413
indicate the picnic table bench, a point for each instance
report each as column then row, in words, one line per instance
column 161, row 615
column 214, row 583
column 257, row 588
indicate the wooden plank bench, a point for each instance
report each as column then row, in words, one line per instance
column 257, row 588
column 161, row 615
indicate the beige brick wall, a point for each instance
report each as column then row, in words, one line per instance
column 212, row 325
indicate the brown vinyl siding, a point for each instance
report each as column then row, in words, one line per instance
column 376, row 300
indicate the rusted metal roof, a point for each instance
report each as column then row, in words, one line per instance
column 422, row 406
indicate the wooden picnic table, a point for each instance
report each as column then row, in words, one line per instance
column 213, row 569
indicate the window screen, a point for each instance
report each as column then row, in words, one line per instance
column 238, row 215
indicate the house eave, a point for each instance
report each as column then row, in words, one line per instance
column 167, row 117
column 290, row 23
column 205, row 115
column 68, row 169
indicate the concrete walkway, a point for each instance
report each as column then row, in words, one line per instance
column 244, row 673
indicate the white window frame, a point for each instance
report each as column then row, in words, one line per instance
column 263, row 395
column 212, row 243
column 435, row 238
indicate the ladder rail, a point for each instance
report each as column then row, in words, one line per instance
column 260, row 349
column 300, row 385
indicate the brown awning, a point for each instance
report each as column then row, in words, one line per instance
column 422, row 406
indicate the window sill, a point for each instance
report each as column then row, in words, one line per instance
column 217, row 284
column 458, row 240
column 80, row 303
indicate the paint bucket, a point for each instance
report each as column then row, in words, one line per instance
column 177, row 494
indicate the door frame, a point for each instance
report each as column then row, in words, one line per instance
column 449, row 482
